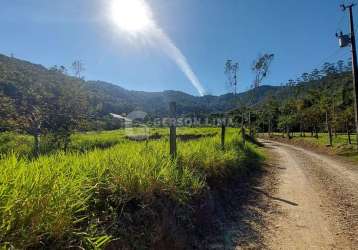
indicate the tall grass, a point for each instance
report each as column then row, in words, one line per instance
column 11, row 142
column 22, row 144
column 62, row 198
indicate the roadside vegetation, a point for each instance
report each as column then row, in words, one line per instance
column 119, row 195
column 314, row 110
column 341, row 146
column 317, row 102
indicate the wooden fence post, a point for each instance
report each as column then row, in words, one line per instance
column 223, row 135
column 243, row 132
column 173, row 135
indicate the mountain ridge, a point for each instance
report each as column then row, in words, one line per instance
column 18, row 76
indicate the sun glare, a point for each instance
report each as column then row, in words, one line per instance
column 131, row 15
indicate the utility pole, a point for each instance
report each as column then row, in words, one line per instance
column 344, row 41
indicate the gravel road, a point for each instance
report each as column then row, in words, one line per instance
column 315, row 202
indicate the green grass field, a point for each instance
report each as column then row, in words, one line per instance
column 82, row 142
column 73, row 199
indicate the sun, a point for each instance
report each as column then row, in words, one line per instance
column 131, row 15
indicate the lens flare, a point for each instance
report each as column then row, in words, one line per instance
column 131, row 15
column 134, row 17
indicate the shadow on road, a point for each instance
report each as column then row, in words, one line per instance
column 275, row 198
column 241, row 211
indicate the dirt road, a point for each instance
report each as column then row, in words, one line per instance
column 315, row 202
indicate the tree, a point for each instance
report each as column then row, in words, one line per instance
column 231, row 69
column 305, row 77
column 288, row 117
column 31, row 113
column 340, row 66
column 67, row 112
column 346, row 112
column 347, row 117
column 7, row 111
column 291, row 83
column 328, row 69
column 313, row 114
column 300, row 107
column 315, row 75
column 78, row 68
column 327, row 104
column 261, row 67
column 269, row 113
column 348, row 66
column 60, row 69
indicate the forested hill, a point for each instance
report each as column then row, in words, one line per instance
column 19, row 78
column 28, row 91
column 113, row 98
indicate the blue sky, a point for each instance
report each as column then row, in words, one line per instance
column 208, row 32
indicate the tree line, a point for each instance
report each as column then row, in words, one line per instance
column 319, row 101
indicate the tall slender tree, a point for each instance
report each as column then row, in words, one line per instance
column 78, row 68
column 261, row 67
column 231, row 71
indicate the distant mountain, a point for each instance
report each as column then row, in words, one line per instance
column 117, row 99
column 17, row 77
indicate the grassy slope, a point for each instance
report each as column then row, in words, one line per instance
column 91, row 198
